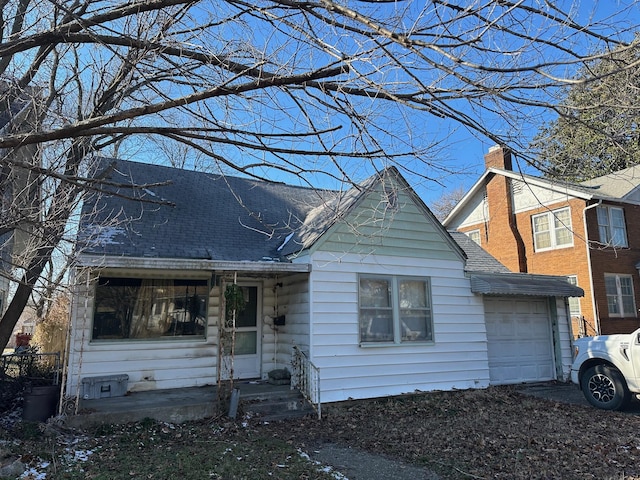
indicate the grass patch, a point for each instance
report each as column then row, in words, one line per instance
column 201, row 450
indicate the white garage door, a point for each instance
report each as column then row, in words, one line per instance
column 519, row 338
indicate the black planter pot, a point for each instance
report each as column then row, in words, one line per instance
column 40, row 402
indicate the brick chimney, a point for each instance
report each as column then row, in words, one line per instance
column 503, row 237
column 498, row 157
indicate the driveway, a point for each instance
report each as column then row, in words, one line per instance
column 566, row 393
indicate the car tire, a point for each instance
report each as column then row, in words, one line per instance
column 604, row 387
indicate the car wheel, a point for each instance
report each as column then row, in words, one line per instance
column 604, row 387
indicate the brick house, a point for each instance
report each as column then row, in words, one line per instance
column 589, row 232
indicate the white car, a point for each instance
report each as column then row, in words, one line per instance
column 607, row 369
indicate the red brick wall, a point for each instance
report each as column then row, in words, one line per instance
column 616, row 260
column 514, row 247
column 501, row 238
column 499, row 241
column 563, row 261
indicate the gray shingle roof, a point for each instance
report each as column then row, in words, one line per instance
column 523, row 284
column 210, row 217
column 490, row 277
column 478, row 259
column 617, row 184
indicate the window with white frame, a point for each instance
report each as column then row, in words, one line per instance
column 620, row 298
column 574, row 302
column 395, row 309
column 611, row 226
column 552, row 229
column 474, row 235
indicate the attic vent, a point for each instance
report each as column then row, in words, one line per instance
column 517, row 188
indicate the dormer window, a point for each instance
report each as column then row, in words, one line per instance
column 611, row 226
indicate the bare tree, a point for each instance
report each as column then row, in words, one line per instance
column 297, row 89
column 443, row 206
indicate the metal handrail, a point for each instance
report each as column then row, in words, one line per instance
column 306, row 378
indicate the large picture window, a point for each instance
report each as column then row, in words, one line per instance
column 552, row 230
column 611, row 226
column 395, row 310
column 134, row 308
column 620, row 298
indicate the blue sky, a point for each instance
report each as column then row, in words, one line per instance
column 458, row 150
column 468, row 150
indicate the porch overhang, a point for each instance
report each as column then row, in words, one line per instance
column 137, row 263
column 523, row 284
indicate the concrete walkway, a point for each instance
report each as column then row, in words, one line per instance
column 567, row 393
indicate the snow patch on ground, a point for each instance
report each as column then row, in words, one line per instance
column 322, row 468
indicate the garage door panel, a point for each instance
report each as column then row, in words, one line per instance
column 519, row 338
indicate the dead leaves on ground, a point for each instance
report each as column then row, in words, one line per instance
column 496, row 433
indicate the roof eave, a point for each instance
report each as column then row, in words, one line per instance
column 464, row 200
column 523, row 284
column 101, row 261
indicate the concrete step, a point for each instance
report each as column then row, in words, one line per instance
column 278, row 406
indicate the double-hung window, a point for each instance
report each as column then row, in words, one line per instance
column 620, row 298
column 574, row 302
column 611, row 226
column 552, row 229
column 395, row 309
column 141, row 308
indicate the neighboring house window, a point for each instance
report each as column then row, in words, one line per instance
column 552, row 230
column 611, row 226
column 474, row 235
column 574, row 302
column 620, row 299
column 395, row 309
column 149, row 308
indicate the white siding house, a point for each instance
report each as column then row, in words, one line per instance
column 369, row 285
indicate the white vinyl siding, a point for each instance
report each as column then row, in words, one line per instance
column 611, row 226
column 405, row 243
column 620, row 297
column 552, row 230
column 350, row 370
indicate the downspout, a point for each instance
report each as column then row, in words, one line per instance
column 567, row 311
column 522, row 252
column 596, row 317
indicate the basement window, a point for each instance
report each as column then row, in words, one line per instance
column 394, row 310
column 135, row 308
column 552, row 230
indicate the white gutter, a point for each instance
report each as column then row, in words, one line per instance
column 596, row 318
column 190, row 264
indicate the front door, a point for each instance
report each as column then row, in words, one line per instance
column 246, row 362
